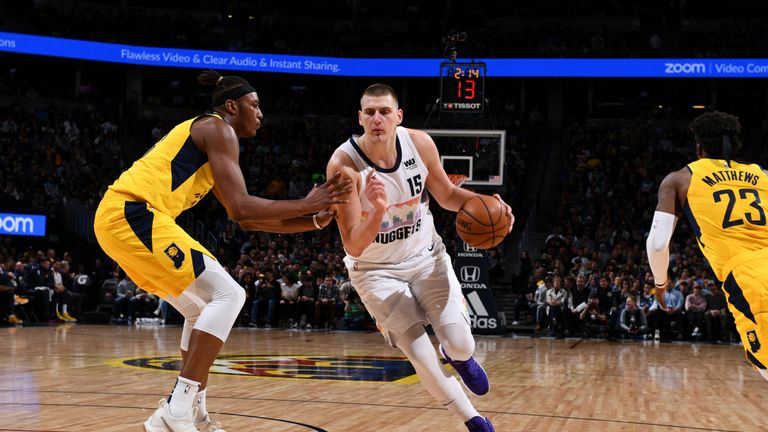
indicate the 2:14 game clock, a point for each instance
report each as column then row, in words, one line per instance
column 462, row 87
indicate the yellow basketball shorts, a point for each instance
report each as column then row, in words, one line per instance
column 746, row 288
column 158, row 255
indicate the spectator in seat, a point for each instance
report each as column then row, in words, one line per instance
column 540, row 297
column 74, row 298
column 355, row 314
column 557, row 299
column 266, row 300
column 143, row 304
column 577, row 301
column 126, row 289
column 695, row 307
column 8, row 298
column 716, row 316
column 593, row 319
column 42, row 282
column 660, row 319
column 62, row 297
column 632, row 323
column 306, row 302
column 325, row 306
column 344, row 288
column 289, row 288
column 646, row 298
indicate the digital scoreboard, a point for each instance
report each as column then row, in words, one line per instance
column 462, row 87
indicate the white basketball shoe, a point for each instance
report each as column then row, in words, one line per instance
column 162, row 421
column 208, row 425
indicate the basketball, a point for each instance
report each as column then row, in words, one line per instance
column 482, row 222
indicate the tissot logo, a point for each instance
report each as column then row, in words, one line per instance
column 470, row 274
column 410, row 163
column 338, row 368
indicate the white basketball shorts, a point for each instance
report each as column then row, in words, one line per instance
column 421, row 290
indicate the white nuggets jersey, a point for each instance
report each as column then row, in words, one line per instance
column 407, row 227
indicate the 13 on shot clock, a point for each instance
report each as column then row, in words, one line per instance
column 462, row 87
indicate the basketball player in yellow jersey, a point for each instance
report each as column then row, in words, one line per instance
column 724, row 203
column 135, row 226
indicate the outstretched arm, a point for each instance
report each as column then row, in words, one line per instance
column 293, row 225
column 219, row 141
column 657, row 245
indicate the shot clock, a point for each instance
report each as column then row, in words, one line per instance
column 462, row 87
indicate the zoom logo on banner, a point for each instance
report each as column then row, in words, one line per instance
column 685, row 68
column 22, row 224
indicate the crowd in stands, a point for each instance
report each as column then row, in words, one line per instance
column 55, row 153
column 593, row 277
column 50, row 153
column 285, row 284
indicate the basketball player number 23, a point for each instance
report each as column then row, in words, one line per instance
column 415, row 184
column 743, row 193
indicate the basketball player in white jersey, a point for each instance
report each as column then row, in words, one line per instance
column 396, row 259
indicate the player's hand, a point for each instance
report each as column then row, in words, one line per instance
column 334, row 191
column 325, row 217
column 375, row 192
column 509, row 212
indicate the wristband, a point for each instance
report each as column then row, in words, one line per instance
column 314, row 221
column 660, row 285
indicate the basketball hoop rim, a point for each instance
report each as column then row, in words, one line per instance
column 457, row 179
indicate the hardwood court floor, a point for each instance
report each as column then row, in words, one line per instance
column 77, row 378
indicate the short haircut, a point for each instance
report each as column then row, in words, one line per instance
column 710, row 130
column 379, row 89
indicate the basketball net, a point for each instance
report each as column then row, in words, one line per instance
column 457, row 179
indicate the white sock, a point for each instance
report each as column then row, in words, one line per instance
column 461, row 406
column 416, row 345
column 183, row 397
column 64, row 308
column 202, row 411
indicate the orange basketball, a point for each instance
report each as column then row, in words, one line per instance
column 482, row 222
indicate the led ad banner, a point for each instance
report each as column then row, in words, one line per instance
column 472, row 269
column 22, row 224
column 379, row 67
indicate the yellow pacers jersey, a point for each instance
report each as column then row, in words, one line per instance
column 172, row 176
column 727, row 213
column 135, row 224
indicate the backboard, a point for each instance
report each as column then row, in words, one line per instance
column 477, row 154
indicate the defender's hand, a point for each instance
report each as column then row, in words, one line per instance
column 332, row 192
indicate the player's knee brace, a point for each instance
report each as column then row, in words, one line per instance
column 226, row 300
